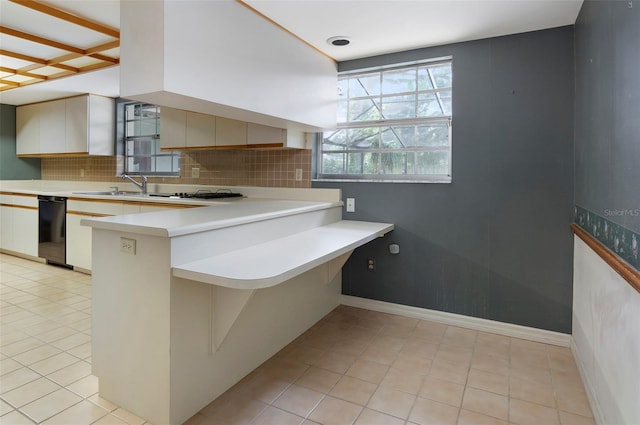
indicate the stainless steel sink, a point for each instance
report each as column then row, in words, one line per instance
column 110, row 193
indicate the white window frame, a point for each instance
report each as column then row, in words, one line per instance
column 388, row 125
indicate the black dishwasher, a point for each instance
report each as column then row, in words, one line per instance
column 52, row 229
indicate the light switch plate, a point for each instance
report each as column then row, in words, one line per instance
column 298, row 174
column 195, row 173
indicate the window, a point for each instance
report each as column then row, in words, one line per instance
column 141, row 137
column 394, row 124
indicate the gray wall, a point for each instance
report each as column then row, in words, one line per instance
column 607, row 123
column 496, row 242
column 12, row 167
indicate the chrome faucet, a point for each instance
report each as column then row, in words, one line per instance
column 142, row 186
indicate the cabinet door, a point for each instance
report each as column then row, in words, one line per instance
column 173, row 128
column 200, row 130
column 78, row 242
column 76, row 124
column 230, row 132
column 25, row 224
column 101, row 125
column 28, row 129
column 53, row 132
column 258, row 134
column 6, row 228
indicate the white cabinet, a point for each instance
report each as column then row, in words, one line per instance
column 28, row 129
column 201, row 130
column 52, row 127
column 101, row 123
column 76, row 120
column 173, row 128
column 78, row 242
column 25, row 222
column 6, row 227
column 186, row 130
column 82, row 125
column 265, row 136
column 230, row 132
column 270, row 137
column 19, row 224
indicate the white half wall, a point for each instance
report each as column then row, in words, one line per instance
column 606, row 337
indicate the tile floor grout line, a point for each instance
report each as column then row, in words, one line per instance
column 382, row 338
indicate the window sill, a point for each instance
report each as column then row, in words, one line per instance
column 338, row 180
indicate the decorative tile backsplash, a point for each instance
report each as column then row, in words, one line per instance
column 618, row 239
column 267, row 168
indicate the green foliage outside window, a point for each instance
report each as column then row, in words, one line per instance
column 393, row 124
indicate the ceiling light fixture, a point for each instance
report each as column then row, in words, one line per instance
column 338, row 40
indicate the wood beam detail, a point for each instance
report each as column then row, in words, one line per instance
column 40, row 40
column 72, row 52
column 69, row 17
column 23, row 73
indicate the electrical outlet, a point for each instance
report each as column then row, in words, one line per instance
column 351, row 204
column 82, row 172
column 371, row 264
column 128, row 246
column 298, row 174
column 195, row 173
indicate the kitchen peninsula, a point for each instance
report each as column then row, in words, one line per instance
column 189, row 301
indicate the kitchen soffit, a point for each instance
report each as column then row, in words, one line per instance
column 374, row 27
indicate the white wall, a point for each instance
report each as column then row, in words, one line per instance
column 606, row 337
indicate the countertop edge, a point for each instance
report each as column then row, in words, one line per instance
column 117, row 223
column 201, row 270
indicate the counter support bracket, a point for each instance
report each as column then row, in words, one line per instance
column 225, row 305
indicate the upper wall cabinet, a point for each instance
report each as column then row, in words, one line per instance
column 173, row 128
column 230, row 133
column 185, row 130
column 82, row 125
column 266, row 76
column 28, row 129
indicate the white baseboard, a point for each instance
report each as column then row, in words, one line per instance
column 475, row 323
column 21, row 255
column 588, row 386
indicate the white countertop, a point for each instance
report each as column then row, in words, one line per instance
column 278, row 260
column 67, row 188
column 260, row 203
column 222, row 214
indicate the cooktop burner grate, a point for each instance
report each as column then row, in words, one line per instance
column 209, row 195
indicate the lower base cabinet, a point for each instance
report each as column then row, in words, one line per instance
column 78, row 242
column 19, row 224
column 19, row 229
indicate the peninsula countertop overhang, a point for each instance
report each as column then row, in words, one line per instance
column 179, row 222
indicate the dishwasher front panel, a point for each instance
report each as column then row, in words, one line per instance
column 52, row 228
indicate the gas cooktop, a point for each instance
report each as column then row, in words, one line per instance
column 199, row 195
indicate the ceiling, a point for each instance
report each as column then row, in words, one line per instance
column 373, row 26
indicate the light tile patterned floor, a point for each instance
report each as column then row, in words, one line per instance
column 353, row 367
column 45, row 349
